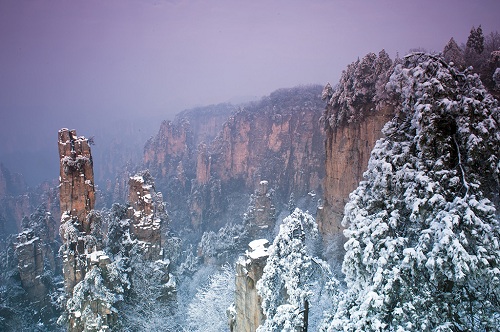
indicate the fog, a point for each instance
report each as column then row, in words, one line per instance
column 85, row 64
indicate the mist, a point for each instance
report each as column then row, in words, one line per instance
column 86, row 64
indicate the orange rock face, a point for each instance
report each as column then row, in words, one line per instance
column 357, row 109
column 77, row 200
column 348, row 149
column 248, row 314
column 77, row 195
column 281, row 144
column 278, row 139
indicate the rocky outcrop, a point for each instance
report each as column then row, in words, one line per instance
column 260, row 218
column 278, row 139
column 147, row 213
column 355, row 113
column 36, row 251
column 30, row 257
column 76, row 176
column 85, row 265
column 77, row 200
column 14, row 201
column 248, row 314
column 93, row 313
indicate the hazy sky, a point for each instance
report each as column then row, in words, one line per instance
column 84, row 63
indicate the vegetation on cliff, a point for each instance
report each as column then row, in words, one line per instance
column 422, row 249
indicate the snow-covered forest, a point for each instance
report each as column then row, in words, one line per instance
column 420, row 249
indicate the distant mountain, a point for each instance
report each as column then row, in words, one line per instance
column 209, row 160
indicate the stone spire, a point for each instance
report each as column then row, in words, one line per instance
column 77, row 200
column 147, row 213
column 260, row 217
column 76, row 195
column 247, row 315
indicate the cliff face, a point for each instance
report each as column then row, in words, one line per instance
column 355, row 114
column 206, row 122
column 278, row 139
column 348, row 149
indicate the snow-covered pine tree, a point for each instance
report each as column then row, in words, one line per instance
column 93, row 304
column 358, row 89
column 207, row 311
column 423, row 233
column 291, row 275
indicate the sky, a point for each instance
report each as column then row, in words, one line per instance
column 89, row 64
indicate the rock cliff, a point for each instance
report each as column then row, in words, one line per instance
column 85, row 266
column 260, row 218
column 356, row 111
column 278, row 139
column 77, row 200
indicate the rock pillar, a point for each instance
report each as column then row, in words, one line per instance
column 76, row 176
column 77, row 199
column 248, row 304
column 261, row 214
column 146, row 212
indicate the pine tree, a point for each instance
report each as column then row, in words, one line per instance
column 359, row 88
column 453, row 53
column 291, row 275
column 476, row 40
column 423, row 248
column 207, row 311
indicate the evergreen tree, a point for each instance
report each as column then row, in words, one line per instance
column 453, row 53
column 423, row 248
column 291, row 275
column 207, row 311
column 476, row 40
column 360, row 87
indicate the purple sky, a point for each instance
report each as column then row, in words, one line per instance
column 83, row 63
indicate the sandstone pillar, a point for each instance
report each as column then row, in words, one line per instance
column 76, row 176
column 248, row 304
column 77, row 199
